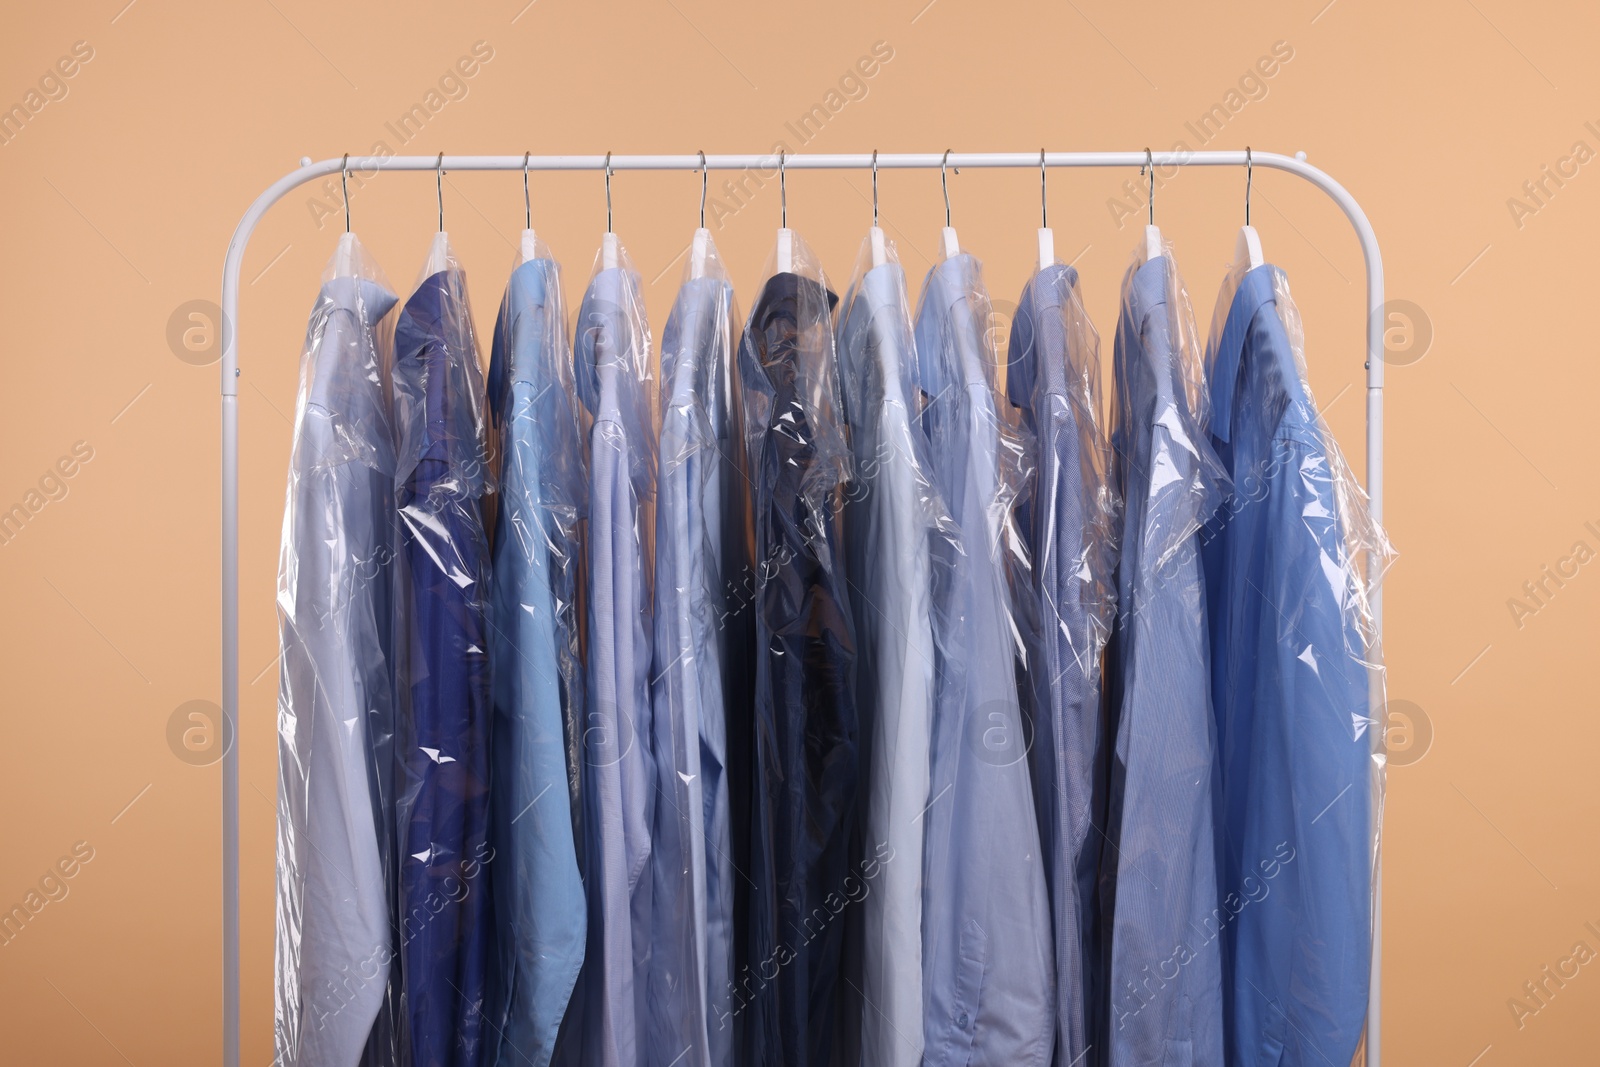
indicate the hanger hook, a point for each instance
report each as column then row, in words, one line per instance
column 1248, row 178
column 1150, row 168
column 608, row 192
column 527, row 205
column 703, row 178
column 944, row 183
column 1044, row 202
column 344, row 185
column 783, row 192
column 874, row 188
column 438, row 188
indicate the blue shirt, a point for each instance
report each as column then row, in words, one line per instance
column 806, row 735
column 892, row 514
column 691, row 957
column 1065, row 518
column 611, row 362
column 446, row 923
column 1289, row 687
column 988, row 966
column 336, row 700
column 1158, row 876
column 541, row 916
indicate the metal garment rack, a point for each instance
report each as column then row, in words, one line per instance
column 859, row 161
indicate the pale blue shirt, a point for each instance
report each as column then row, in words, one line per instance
column 1158, row 878
column 989, row 981
column 690, row 1015
column 610, row 347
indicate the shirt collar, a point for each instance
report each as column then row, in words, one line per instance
column 1255, row 291
column 1148, row 290
column 1037, row 324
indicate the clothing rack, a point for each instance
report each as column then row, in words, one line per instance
column 309, row 171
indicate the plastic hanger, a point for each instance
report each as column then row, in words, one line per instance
column 700, row 249
column 947, row 236
column 1047, row 237
column 1249, row 243
column 610, row 247
column 785, row 235
column 1152, row 233
column 880, row 250
column 439, row 251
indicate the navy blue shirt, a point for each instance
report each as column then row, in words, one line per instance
column 806, row 733
column 446, row 920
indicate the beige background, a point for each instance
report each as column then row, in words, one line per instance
column 119, row 196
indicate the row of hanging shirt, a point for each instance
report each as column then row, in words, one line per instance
column 850, row 711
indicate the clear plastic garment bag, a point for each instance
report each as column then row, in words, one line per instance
column 694, row 682
column 988, row 974
column 1289, row 561
column 443, row 476
column 893, row 514
column 806, row 764
column 534, row 647
column 615, row 379
column 1158, row 871
column 336, row 973
column 1066, row 517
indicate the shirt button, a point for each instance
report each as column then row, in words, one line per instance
column 961, row 1021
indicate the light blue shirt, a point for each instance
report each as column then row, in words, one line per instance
column 1289, row 683
column 989, row 981
column 892, row 512
column 611, row 354
column 1159, row 889
column 540, row 914
column 336, row 701
column 690, row 1022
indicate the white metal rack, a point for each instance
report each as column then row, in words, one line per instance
column 860, row 161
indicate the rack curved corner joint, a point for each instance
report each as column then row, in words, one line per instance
column 311, row 171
